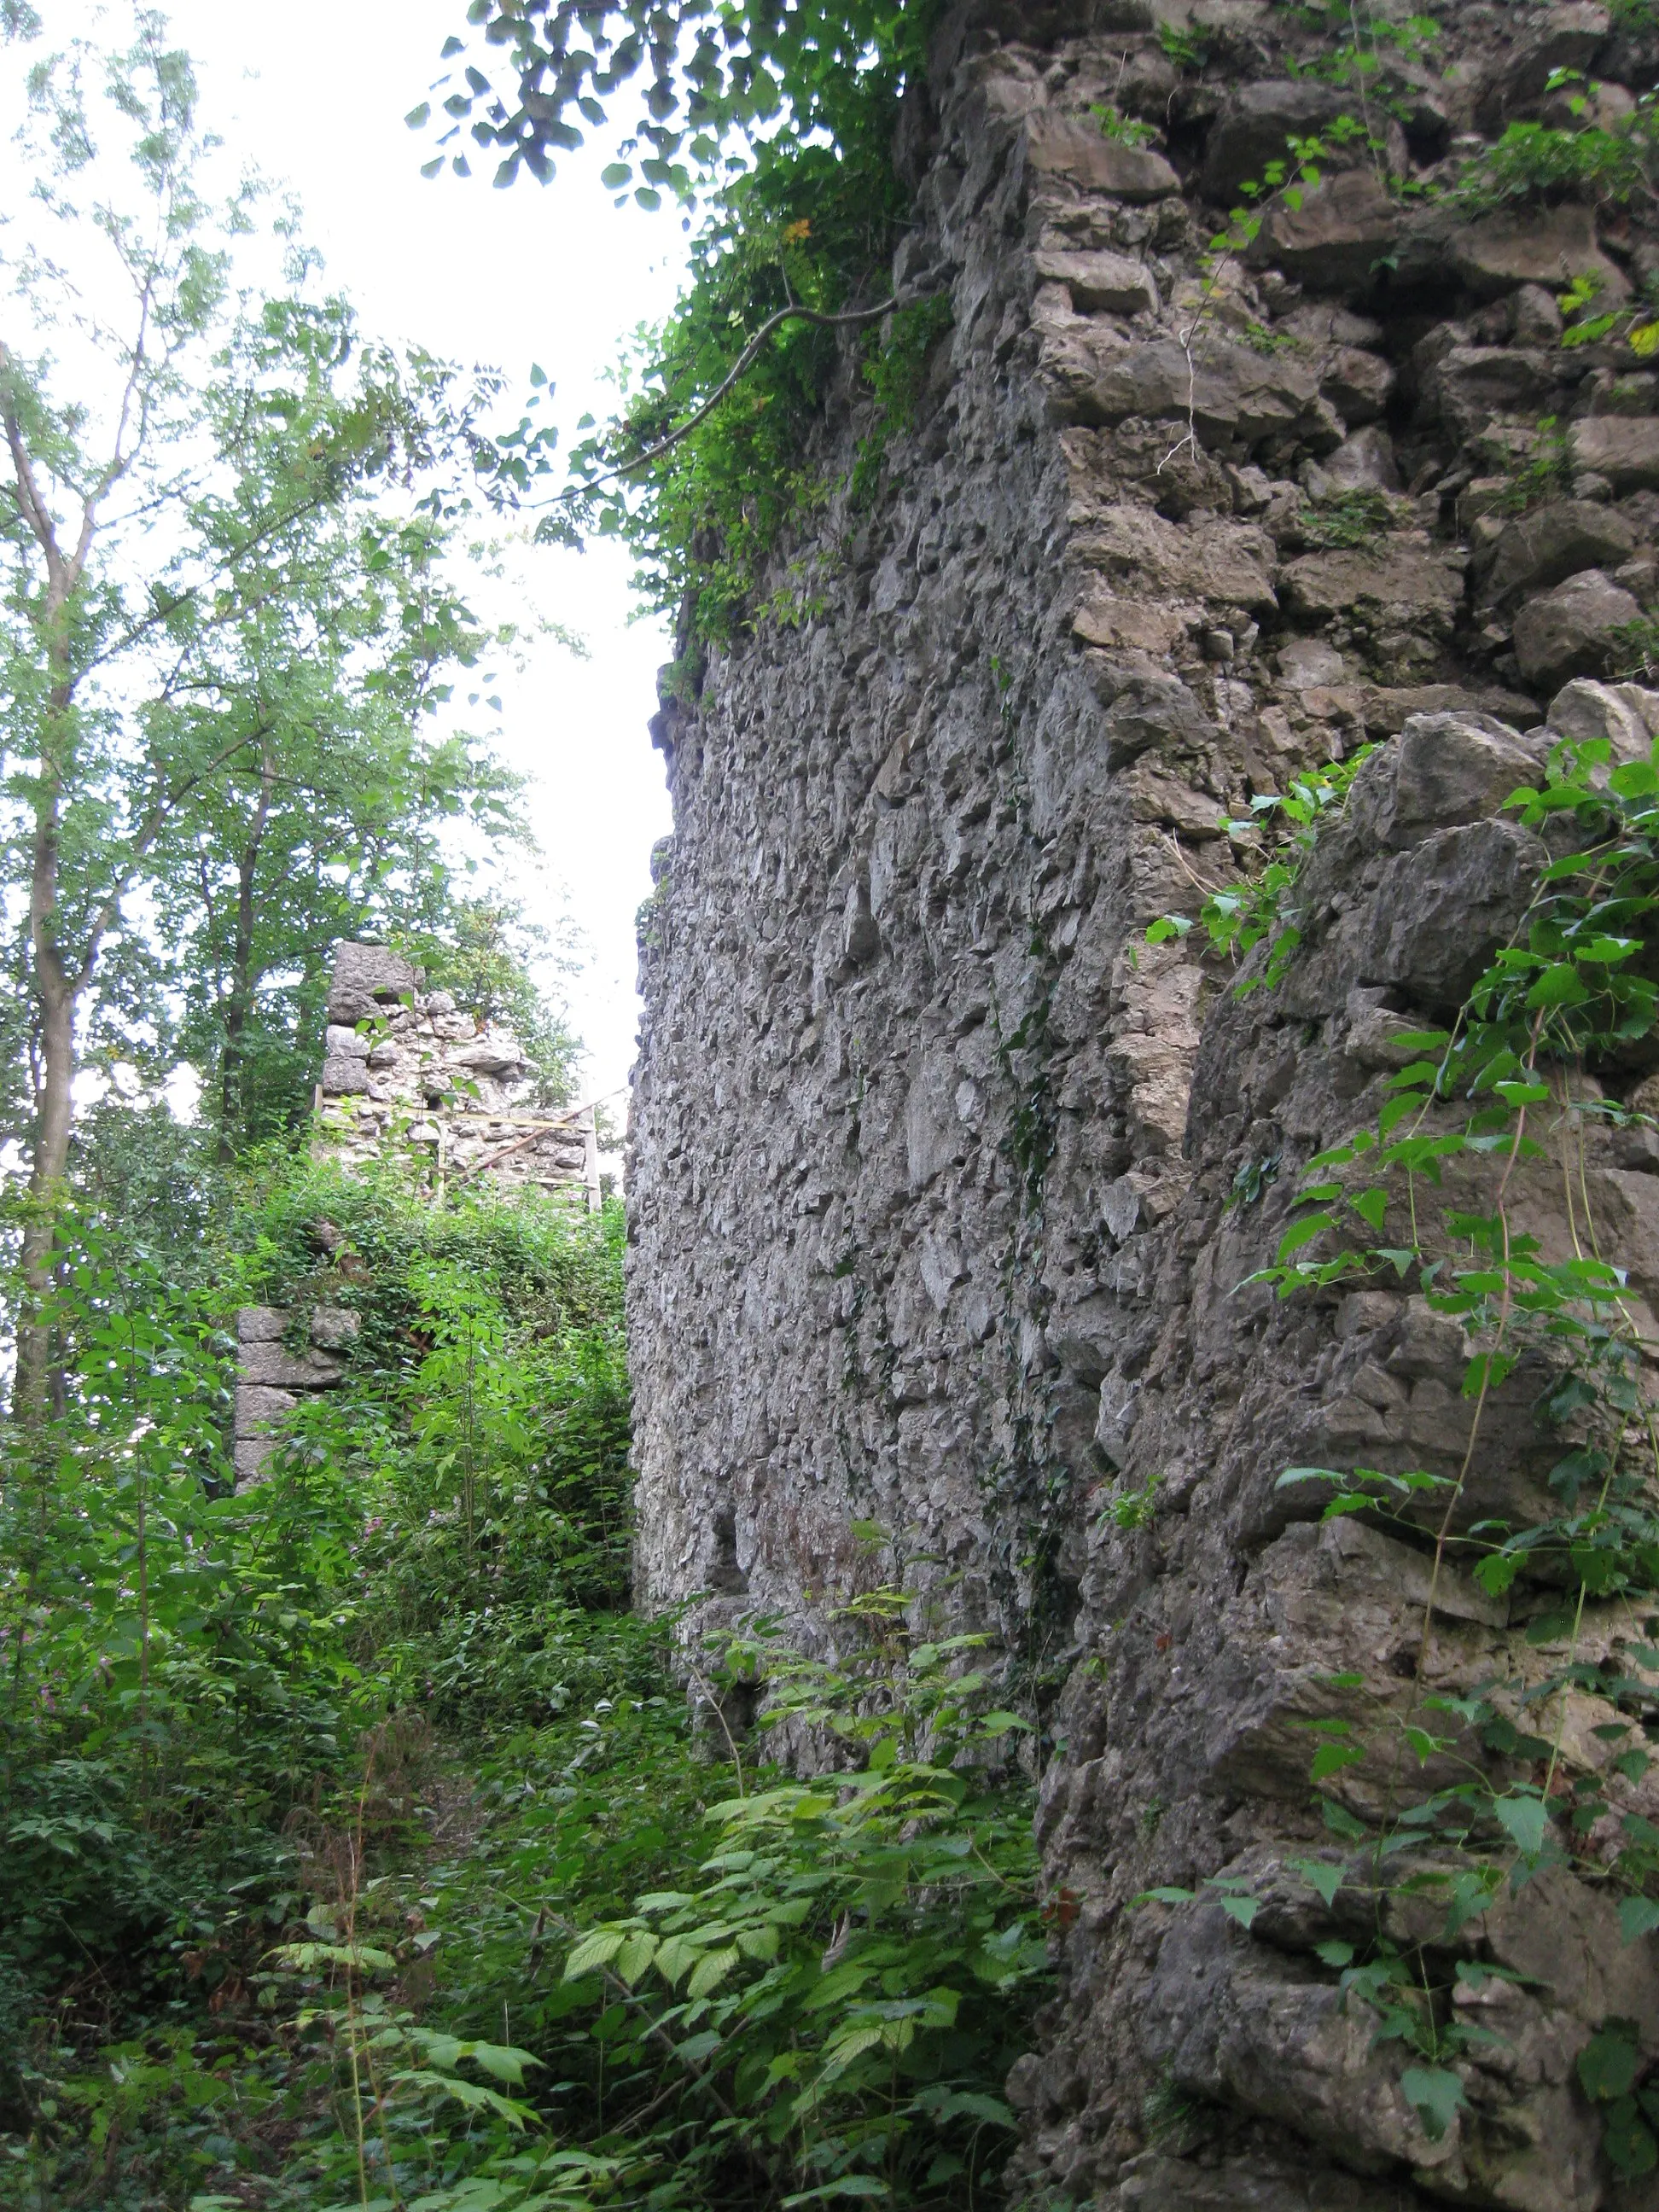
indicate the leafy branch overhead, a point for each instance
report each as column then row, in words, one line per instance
column 680, row 82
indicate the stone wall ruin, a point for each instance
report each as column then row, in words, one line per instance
column 407, row 1075
column 943, row 1181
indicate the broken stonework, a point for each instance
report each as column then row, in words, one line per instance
column 946, row 1184
column 406, row 1074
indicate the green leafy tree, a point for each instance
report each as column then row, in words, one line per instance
column 224, row 604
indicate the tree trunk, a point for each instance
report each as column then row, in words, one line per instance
column 57, row 994
column 239, row 1006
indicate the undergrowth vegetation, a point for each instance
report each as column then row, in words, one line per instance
column 362, row 1846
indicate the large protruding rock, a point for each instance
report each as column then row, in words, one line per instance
column 369, row 980
column 1573, row 630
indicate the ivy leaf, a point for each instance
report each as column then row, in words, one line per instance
column 1637, row 1917
column 1628, row 2141
column 1320, row 1876
column 1331, row 1757
column 1607, row 2063
column 1526, row 1820
column 1238, row 1907
column 1370, row 1205
column 1302, row 1232
column 1434, row 2093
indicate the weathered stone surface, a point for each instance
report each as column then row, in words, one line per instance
column 1255, row 129
column 1141, row 553
column 1566, row 36
column 1551, row 544
column 1364, row 461
column 1336, row 239
column 250, row 1456
column 1620, row 714
column 1569, row 631
column 345, row 1075
column 260, row 1408
column 288, row 1371
column 1469, row 385
column 1407, row 585
column 947, row 1187
column 1623, row 449
column 1238, row 397
column 1110, row 282
column 1533, row 245
column 1357, row 384
column 368, row 979
column 1079, row 150
column 1447, row 770
column 260, row 1324
column 335, row 1328
column 1443, row 909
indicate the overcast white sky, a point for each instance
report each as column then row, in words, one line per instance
column 312, row 92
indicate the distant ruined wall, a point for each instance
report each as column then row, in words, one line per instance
column 407, row 1077
column 943, row 1181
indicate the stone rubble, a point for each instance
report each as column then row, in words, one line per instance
column 945, row 1182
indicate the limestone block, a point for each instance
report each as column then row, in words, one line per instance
column 1469, row 385
column 1443, row 909
column 260, row 1324
column 1357, row 384
column 1069, row 147
column 288, row 1370
column 368, row 980
column 260, row 1408
column 337, row 1038
column 1535, row 247
column 1236, row 395
column 1403, row 587
column 1118, row 624
column 1254, row 127
column 1553, row 542
column 1571, row 630
column 249, row 1456
column 1624, row 716
column 1563, row 37
column 344, row 1075
column 335, row 1328
column 1333, row 241
column 500, row 1055
column 1623, row 448
column 1446, row 770
column 1107, row 282
column 1139, row 552
column 1364, row 461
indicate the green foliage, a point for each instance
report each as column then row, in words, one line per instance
column 1547, row 472
column 766, row 77
column 361, row 1844
column 1126, row 130
column 1351, row 518
column 705, row 517
column 1241, row 915
column 1614, row 164
column 1588, row 323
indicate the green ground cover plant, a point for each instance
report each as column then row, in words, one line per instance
column 363, row 1849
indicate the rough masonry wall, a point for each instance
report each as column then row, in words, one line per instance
column 937, row 1170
